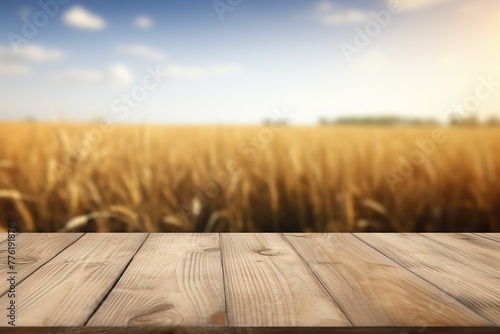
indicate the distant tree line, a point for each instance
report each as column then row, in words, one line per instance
column 400, row 121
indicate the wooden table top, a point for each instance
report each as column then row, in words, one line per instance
column 253, row 283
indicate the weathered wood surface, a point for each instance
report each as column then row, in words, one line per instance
column 33, row 250
column 452, row 269
column 268, row 285
column 255, row 283
column 67, row 290
column 491, row 236
column 373, row 289
column 478, row 253
column 251, row 330
column 176, row 280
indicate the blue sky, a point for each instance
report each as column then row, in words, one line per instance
column 262, row 55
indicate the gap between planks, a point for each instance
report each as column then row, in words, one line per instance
column 490, row 236
column 372, row 288
column 117, row 281
column 267, row 284
column 458, row 274
column 33, row 251
column 75, row 279
column 175, row 280
column 248, row 245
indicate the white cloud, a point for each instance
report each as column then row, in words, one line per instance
column 76, row 76
column 79, row 17
column 32, row 52
column 13, row 63
column 143, row 22
column 116, row 76
column 200, row 72
column 352, row 16
column 141, row 51
column 414, row 5
column 324, row 6
column 328, row 14
column 14, row 70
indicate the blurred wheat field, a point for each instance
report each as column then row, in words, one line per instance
column 216, row 178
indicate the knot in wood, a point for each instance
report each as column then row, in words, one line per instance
column 213, row 249
column 269, row 252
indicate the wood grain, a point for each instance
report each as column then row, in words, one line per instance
column 479, row 253
column 263, row 283
column 249, row 330
column 267, row 284
column 33, row 250
column 67, row 289
column 491, row 236
column 175, row 280
column 446, row 267
column 372, row 289
column 3, row 237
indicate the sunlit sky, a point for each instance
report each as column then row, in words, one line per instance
column 237, row 63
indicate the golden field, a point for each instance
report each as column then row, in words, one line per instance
column 70, row 177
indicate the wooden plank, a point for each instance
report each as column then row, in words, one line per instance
column 479, row 253
column 249, row 330
column 3, row 237
column 450, row 271
column 267, row 284
column 33, row 250
column 372, row 289
column 175, row 280
column 491, row 236
column 67, row 289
